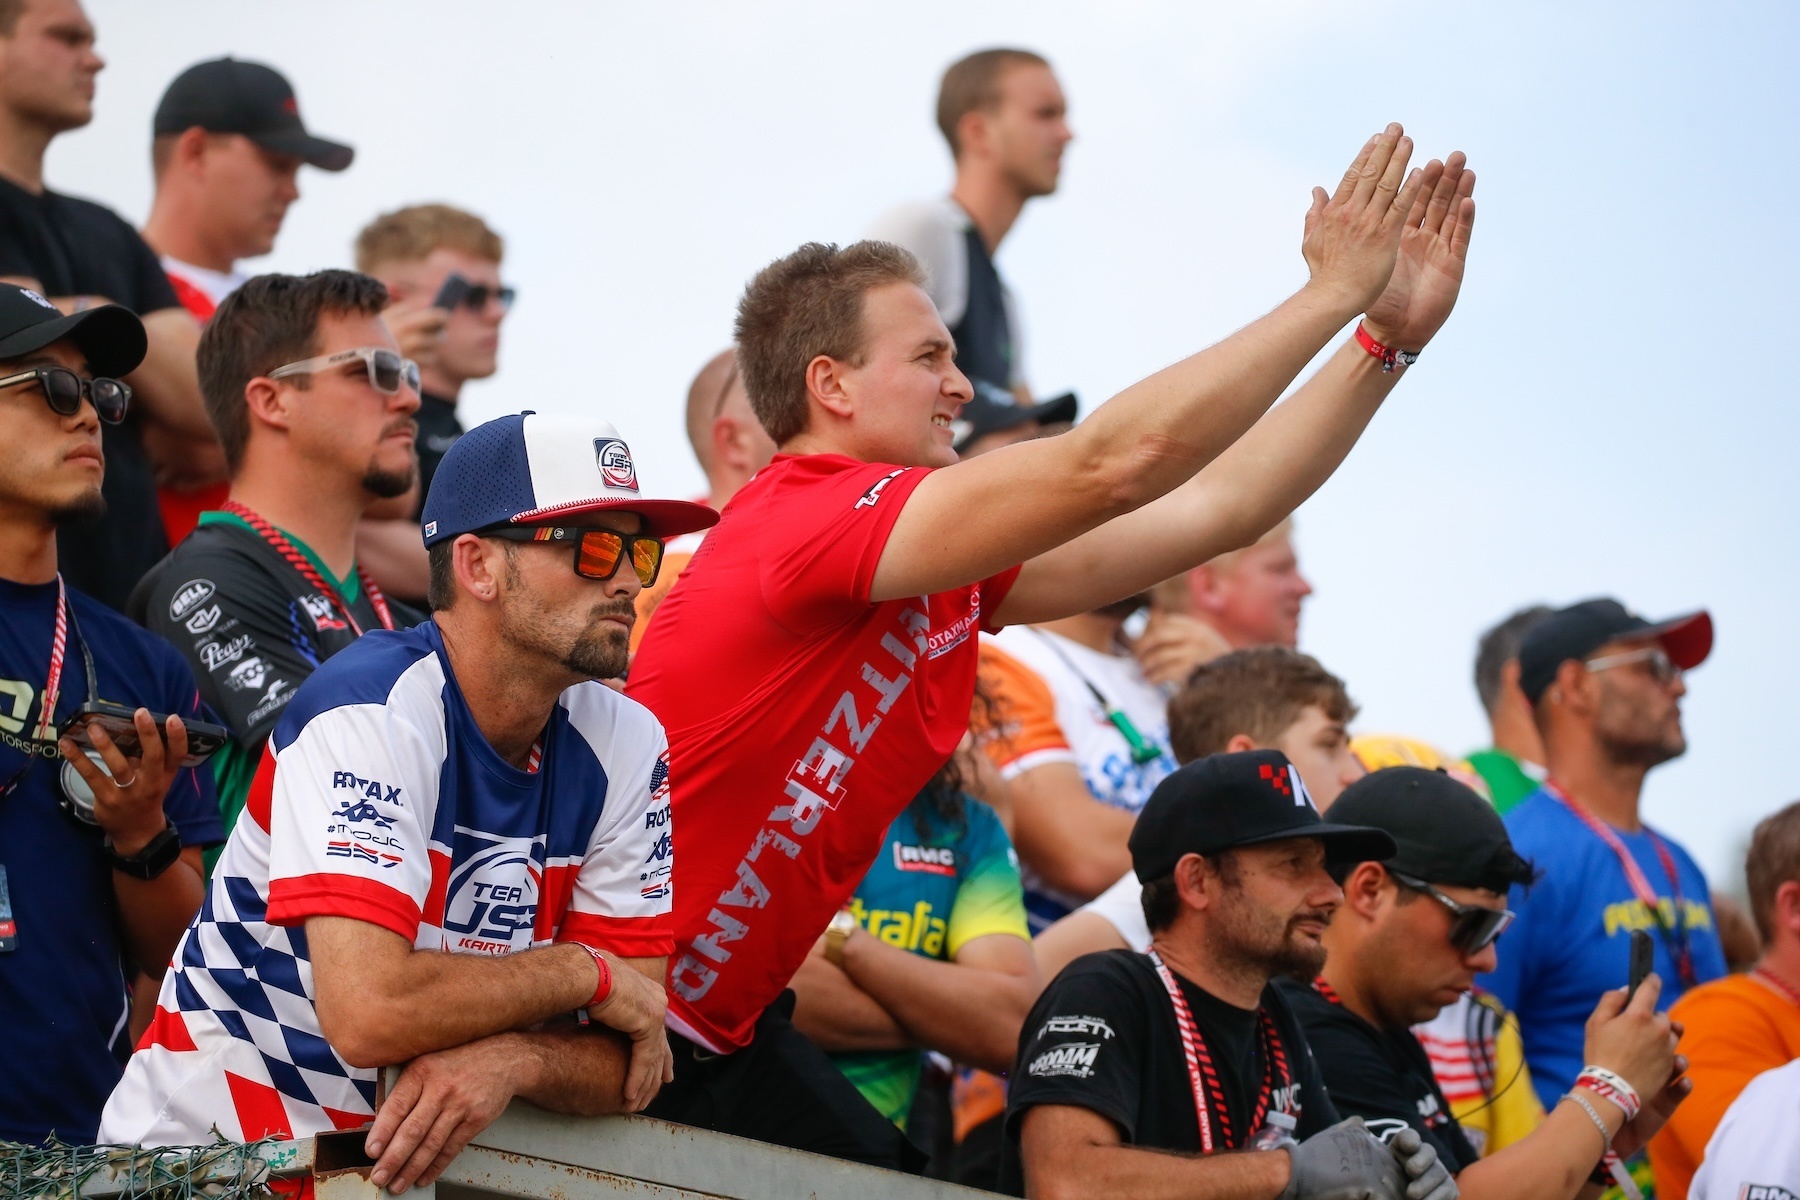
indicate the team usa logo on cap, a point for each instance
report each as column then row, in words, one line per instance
column 614, row 457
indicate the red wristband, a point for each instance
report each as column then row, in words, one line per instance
column 604, row 988
column 1390, row 357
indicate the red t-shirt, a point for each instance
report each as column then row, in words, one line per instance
column 802, row 718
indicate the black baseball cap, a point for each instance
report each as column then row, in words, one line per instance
column 993, row 409
column 225, row 95
column 1580, row 629
column 1224, row 801
column 111, row 338
column 1444, row 832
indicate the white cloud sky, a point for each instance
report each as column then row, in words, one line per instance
column 1610, row 411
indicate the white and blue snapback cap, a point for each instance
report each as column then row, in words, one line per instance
column 526, row 469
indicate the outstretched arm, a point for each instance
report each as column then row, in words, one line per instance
column 1156, row 434
column 1288, row 453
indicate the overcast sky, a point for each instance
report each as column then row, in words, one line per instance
column 1611, row 409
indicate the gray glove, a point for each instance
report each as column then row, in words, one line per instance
column 1430, row 1178
column 1345, row 1162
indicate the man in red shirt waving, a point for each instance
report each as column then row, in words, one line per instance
column 815, row 665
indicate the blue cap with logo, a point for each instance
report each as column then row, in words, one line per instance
column 527, row 469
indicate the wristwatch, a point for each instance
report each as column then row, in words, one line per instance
column 157, row 856
column 837, row 933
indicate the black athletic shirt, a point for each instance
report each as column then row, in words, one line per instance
column 984, row 342
column 79, row 248
column 1380, row 1075
column 1103, row 1037
column 251, row 628
column 438, row 431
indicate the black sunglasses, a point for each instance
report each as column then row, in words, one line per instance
column 478, row 294
column 1473, row 928
column 64, row 391
column 598, row 552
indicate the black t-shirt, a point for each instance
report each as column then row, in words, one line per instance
column 79, row 248
column 1103, row 1037
column 438, row 431
column 249, row 624
column 1381, row 1075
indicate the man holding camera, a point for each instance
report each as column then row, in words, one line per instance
column 100, row 847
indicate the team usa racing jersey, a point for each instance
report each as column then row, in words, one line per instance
column 802, row 717
column 378, row 799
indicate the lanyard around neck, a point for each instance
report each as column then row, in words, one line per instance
column 282, row 546
column 1203, row 1076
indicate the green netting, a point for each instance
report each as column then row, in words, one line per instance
column 226, row 1170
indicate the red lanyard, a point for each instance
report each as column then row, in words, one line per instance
column 300, row 563
column 1677, row 939
column 1775, row 981
column 1203, row 1077
column 59, row 643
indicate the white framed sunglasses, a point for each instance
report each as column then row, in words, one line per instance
column 1662, row 668
column 386, row 369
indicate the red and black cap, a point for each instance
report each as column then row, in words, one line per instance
column 1580, row 629
column 1224, row 801
column 225, row 95
column 111, row 338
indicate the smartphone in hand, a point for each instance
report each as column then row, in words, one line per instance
column 204, row 738
column 1643, row 951
column 451, row 294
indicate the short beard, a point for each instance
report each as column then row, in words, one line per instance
column 1244, row 938
column 600, row 653
column 1645, row 754
column 90, row 507
column 388, row 484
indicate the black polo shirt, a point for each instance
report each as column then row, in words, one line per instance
column 78, row 248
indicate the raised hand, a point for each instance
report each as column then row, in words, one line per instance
column 1353, row 236
column 1434, row 245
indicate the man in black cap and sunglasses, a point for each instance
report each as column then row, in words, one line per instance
column 100, row 847
column 1412, row 934
column 1140, row 1074
column 314, row 406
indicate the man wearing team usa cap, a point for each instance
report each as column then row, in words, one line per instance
column 1131, row 1064
column 463, row 832
column 1605, row 686
column 1412, row 934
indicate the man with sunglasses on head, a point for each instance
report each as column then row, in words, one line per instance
column 1409, row 939
column 314, row 406
column 1605, row 686
column 441, row 266
column 99, row 853
column 457, row 852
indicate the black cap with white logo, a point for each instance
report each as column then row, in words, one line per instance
column 1223, row 801
column 111, row 338
column 228, row 96
column 991, row 410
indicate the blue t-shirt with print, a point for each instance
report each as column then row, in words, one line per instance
column 64, row 1000
column 1572, row 938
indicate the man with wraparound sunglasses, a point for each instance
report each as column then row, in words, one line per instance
column 464, row 834
column 1411, row 936
column 314, row 406
column 98, row 868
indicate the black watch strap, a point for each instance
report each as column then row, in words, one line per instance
column 157, row 856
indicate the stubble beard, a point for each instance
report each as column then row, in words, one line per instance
column 1254, row 946
column 603, row 650
column 88, row 507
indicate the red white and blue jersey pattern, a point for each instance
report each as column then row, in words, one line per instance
column 378, row 799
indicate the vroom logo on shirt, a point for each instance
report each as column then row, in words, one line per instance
column 1074, row 1060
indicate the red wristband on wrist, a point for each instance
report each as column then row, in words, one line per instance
column 1390, row 357
column 604, row 988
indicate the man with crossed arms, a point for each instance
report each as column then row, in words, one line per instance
column 832, row 614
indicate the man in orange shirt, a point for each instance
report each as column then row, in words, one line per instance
column 1741, row 1025
column 731, row 446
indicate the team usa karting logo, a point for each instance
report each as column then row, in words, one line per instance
column 614, row 458
column 491, row 902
